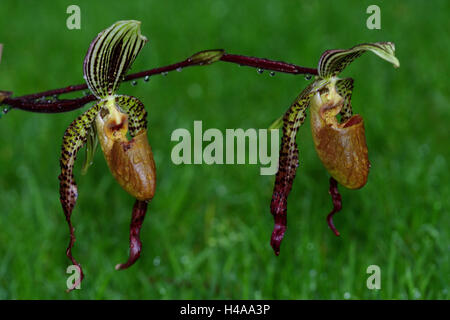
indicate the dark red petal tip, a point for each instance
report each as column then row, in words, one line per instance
column 277, row 237
column 337, row 204
column 137, row 218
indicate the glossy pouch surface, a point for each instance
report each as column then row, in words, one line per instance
column 130, row 161
column 341, row 147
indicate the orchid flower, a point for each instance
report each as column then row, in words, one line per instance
column 108, row 59
column 341, row 146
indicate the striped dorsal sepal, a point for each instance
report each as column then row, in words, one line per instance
column 332, row 62
column 111, row 55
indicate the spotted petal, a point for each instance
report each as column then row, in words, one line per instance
column 345, row 89
column 332, row 62
column 110, row 56
column 74, row 138
column 288, row 163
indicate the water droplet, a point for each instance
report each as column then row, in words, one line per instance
column 260, row 71
column 156, row 261
column 6, row 110
column 347, row 295
column 146, row 78
column 134, row 83
column 179, row 69
column 308, row 77
column 272, row 73
column 55, row 96
column 164, row 73
column 49, row 101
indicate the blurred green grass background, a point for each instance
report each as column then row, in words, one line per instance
column 207, row 231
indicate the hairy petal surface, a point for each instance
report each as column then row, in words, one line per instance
column 74, row 138
column 288, row 163
column 111, row 55
column 332, row 62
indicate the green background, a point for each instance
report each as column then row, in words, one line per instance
column 207, row 231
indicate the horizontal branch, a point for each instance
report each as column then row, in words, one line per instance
column 267, row 64
column 37, row 102
column 57, row 106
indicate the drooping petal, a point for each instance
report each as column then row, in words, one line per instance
column 332, row 62
column 137, row 218
column 74, row 138
column 337, row 204
column 288, row 163
column 131, row 162
column 110, row 56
